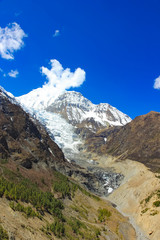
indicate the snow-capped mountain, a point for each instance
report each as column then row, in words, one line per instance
column 70, row 111
column 7, row 95
column 77, row 109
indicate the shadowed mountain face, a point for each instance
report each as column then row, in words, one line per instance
column 138, row 140
column 28, row 160
column 25, row 142
column 23, row 139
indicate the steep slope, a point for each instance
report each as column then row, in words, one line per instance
column 60, row 131
column 75, row 108
column 78, row 110
column 125, row 149
column 23, row 140
column 73, row 114
column 37, row 202
column 139, row 140
column 27, row 212
column 138, row 195
column 109, row 148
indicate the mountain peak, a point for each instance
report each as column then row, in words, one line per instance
column 76, row 109
column 138, row 140
column 69, row 114
column 7, row 95
column 152, row 113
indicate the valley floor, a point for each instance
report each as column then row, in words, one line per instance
column 137, row 199
column 136, row 195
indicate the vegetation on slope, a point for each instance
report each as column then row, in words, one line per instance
column 103, row 214
column 151, row 204
column 3, row 234
column 67, row 188
column 27, row 192
column 66, row 211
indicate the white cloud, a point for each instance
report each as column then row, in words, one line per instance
column 13, row 73
column 56, row 33
column 11, row 40
column 60, row 79
column 1, row 70
column 157, row 83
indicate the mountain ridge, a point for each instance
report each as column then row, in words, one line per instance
column 139, row 140
column 98, row 178
column 38, row 201
column 74, row 116
column 74, row 99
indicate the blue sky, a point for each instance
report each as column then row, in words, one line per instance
column 116, row 43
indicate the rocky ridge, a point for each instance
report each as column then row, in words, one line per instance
column 29, row 156
column 24, row 140
column 76, row 109
column 75, row 117
column 138, row 140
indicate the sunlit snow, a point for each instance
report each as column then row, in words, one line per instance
column 60, row 129
column 50, row 111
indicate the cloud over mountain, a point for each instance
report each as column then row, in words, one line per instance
column 60, row 79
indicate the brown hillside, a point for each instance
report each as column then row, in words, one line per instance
column 36, row 201
column 138, row 140
column 24, row 140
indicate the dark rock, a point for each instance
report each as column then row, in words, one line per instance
column 27, row 163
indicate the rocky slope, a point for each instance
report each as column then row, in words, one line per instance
column 136, row 196
column 36, row 201
column 78, row 110
column 139, row 140
column 125, row 149
column 107, row 149
column 75, row 116
column 23, row 139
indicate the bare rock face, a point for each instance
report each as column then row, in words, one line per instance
column 138, row 140
column 23, row 139
column 81, row 112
